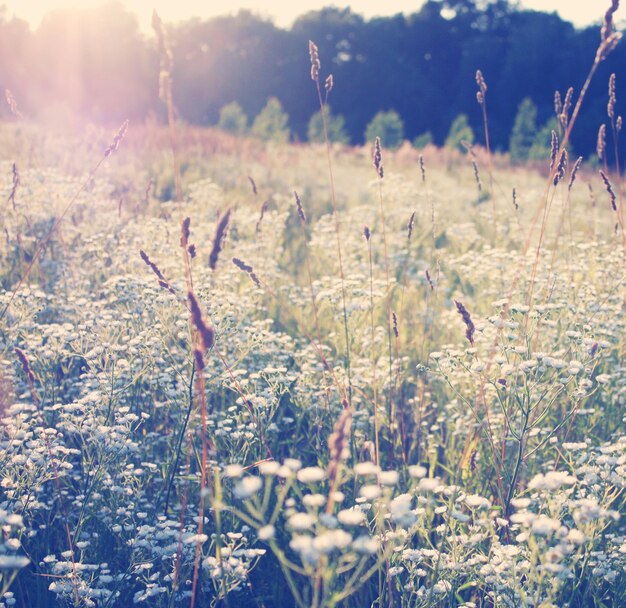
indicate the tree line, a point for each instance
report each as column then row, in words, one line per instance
column 96, row 64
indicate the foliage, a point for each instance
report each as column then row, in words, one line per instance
column 423, row 63
column 271, row 124
column 335, row 126
column 524, row 131
column 388, row 126
column 390, row 398
column 307, row 502
column 542, row 142
column 233, row 119
column 460, row 131
column 421, row 141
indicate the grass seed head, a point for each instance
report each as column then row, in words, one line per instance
column 300, row 208
column 205, row 332
column 378, row 158
column 558, row 103
column 117, row 139
column 185, row 232
column 25, row 365
column 609, row 189
column 554, row 149
column 329, row 83
column 218, row 241
column 575, row 169
column 315, row 61
column 410, row 226
column 601, row 142
column 12, row 104
column 467, row 319
column 560, row 169
column 610, row 106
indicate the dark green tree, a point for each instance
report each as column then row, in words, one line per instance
column 336, row 126
column 388, row 126
column 542, row 143
column 460, row 131
column 271, row 124
column 233, row 119
column 421, row 141
column 524, row 131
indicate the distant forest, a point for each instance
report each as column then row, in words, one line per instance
column 96, row 64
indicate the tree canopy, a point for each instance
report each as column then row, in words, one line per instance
column 94, row 63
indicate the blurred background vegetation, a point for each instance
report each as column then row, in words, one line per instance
column 413, row 74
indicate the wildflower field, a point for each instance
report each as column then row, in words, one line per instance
column 236, row 373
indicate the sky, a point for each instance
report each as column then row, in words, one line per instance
column 283, row 12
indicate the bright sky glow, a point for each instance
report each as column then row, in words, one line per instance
column 283, row 12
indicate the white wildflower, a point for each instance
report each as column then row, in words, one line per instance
column 247, row 487
column 311, row 475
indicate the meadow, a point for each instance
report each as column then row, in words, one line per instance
column 237, row 373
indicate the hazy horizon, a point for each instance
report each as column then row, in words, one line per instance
column 281, row 13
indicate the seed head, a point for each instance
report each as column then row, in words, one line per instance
column 477, row 176
column 329, row 83
column 467, row 319
column 480, row 81
column 560, row 169
column 554, row 148
column 567, row 104
column 575, row 168
column 422, row 168
column 253, row 184
column 410, row 226
column 205, row 332
column 160, row 278
column 185, row 232
column 117, row 138
column 25, row 365
column 300, row 208
column 601, row 142
column 218, row 241
column 610, row 107
column 558, row 104
column 429, row 279
column 12, row 104
column 609, row 189
column 248, row 270
column 315, row 61
column 378, row 158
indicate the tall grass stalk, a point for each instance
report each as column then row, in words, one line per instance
column 378, row 166
column 315, row 76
